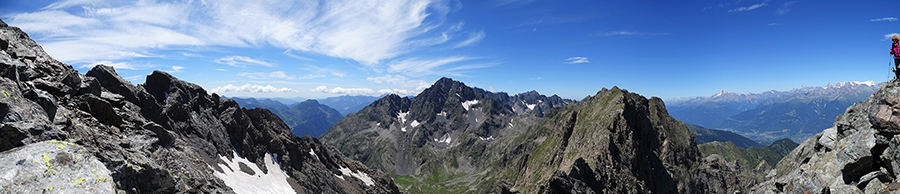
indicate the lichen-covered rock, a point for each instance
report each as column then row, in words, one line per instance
column 53, row 167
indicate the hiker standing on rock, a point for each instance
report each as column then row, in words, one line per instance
column 895, row 50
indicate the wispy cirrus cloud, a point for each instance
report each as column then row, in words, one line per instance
column 118, row 65
column 277, row 75
column 401, row 81
column 324, row 70
column 362, row 91
column 248, row 88
column 888, row 36
column 241, row 61
column 474, row 37
column 420, row 67
column 576, row 60
column 748, row 8
column 884, row 19
column 629, row 33
column 367, row 31
column 785, row 8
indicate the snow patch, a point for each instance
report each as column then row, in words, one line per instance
column 360, row 175
column 415, row 123
column 311, row 152
column 469, row 103
column 446, row 139
column 488, row 139
column 530, row 106
column 402, row 117
column 442, row 114
column 273, row 182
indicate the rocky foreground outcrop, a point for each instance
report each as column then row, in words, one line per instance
column 859, row 154
column 163, row 136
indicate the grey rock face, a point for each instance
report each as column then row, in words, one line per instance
column 53, row 167
column 164, row 136
column 858, row 155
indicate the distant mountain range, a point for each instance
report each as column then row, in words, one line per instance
column 768, row 116
column 309, row 117
column 348, row 104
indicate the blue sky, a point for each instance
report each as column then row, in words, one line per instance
column 317, row 49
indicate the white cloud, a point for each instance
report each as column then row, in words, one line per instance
column 363, row 91
column 324, row 70
column 748, row 8
column 511, row 2
column 888, row 36
column 629, row 33
column 785, row 8
column 474, row 37
column 291, row 54
column 119, row 65
column 420, row 67
column 774, row 24
column 576, row 60
column 176, row 69
column 367, row 31
column 884, row 19
column 247, row 88
column 241, row 61
column 221, row 70
column 277, row 75
column 401, row 81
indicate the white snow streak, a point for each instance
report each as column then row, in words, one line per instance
column 402, row 117
column 469, row 103
column 530, row 106
column 311, row 152
column 273, row 182
column 360, row 175
column 415, row 123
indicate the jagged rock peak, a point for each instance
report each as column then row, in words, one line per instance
column 859, row 154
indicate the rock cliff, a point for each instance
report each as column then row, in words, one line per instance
column 163, row 136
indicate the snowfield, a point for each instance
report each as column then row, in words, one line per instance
column 239, row 181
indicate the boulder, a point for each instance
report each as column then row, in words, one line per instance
column 53, row 167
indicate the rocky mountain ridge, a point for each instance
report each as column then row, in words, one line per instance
column 455, row 139
column 163, row 136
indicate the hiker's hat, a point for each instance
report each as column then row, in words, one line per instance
column 895, row 38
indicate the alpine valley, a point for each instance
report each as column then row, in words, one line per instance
column 765, row 117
